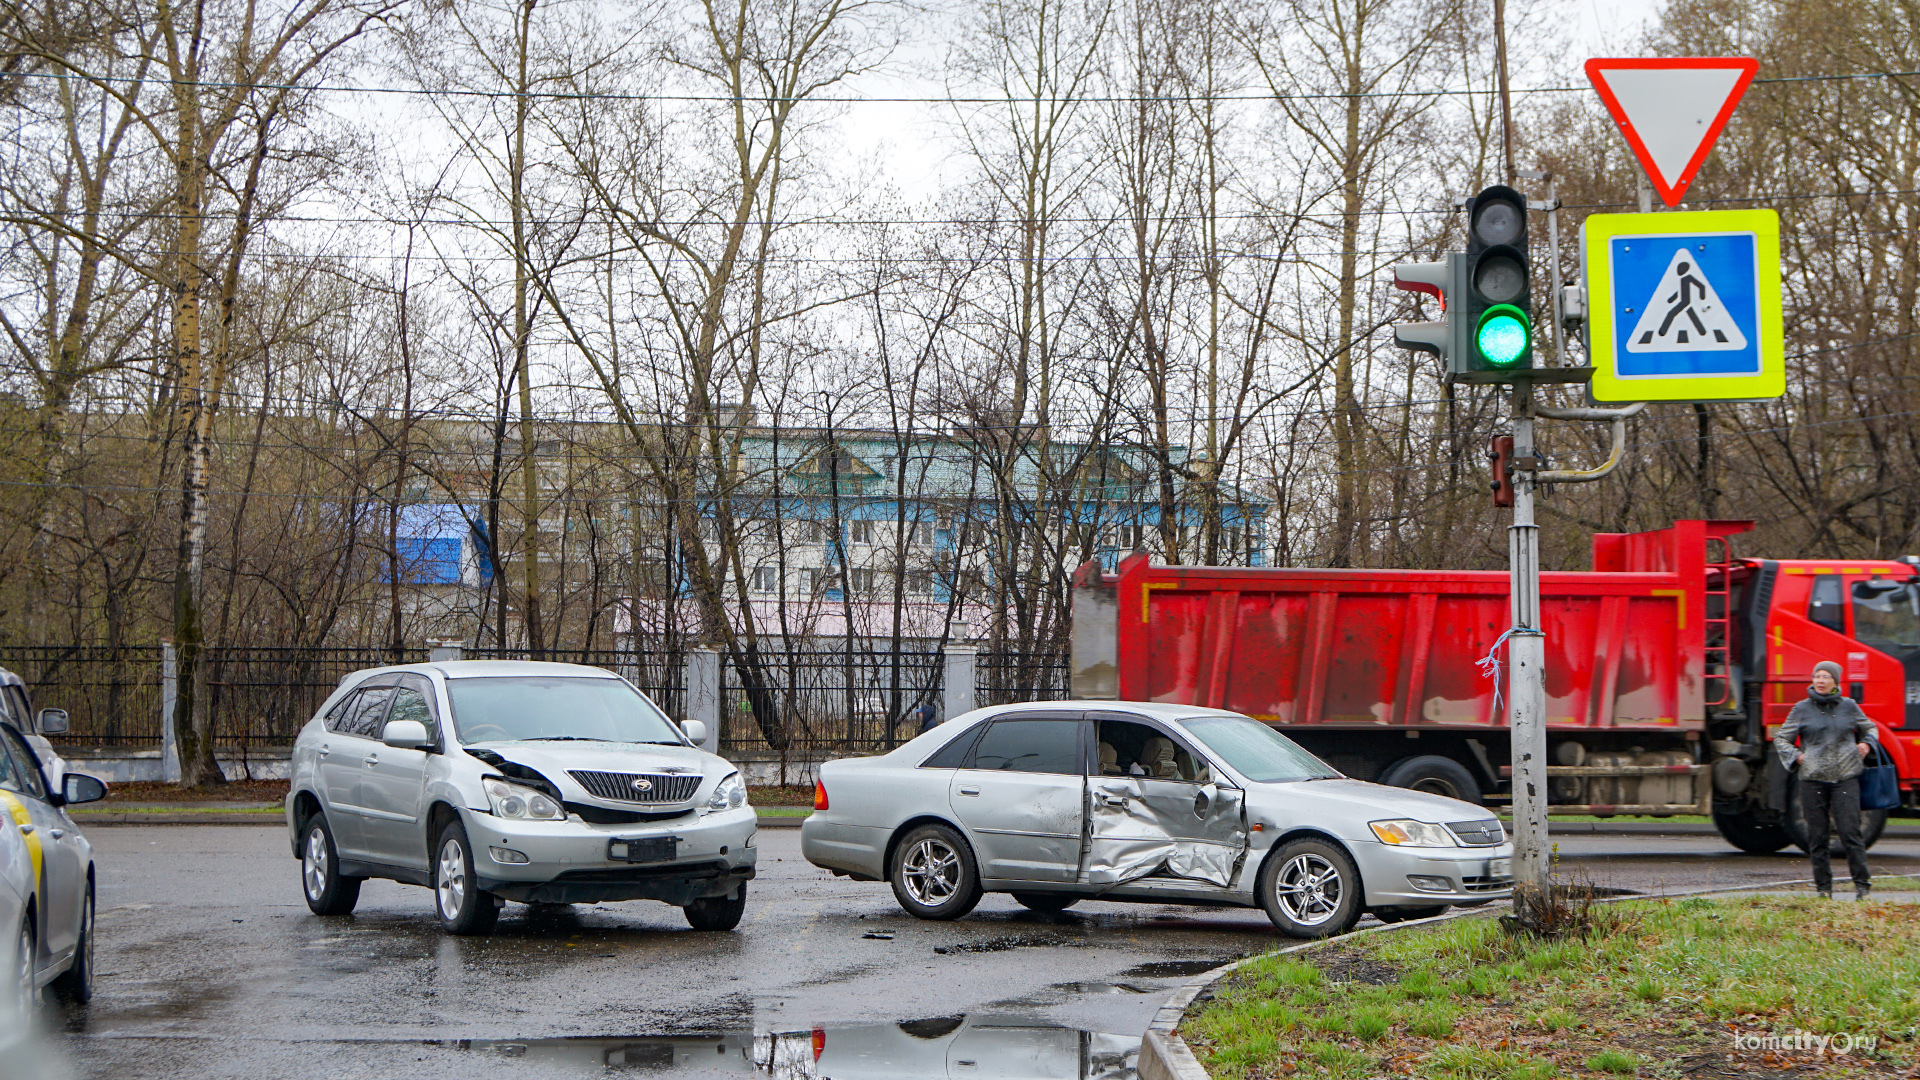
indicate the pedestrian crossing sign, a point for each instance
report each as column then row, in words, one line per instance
column 1684, row 306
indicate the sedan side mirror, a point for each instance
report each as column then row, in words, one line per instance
column 53, row 721
column 81, row 788
column 406, row 735
column 696, row 731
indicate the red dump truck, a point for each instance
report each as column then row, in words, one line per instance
column 1668, row 665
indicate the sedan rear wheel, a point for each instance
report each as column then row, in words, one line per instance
column 933, row 874
column 327, row 892
column 464, row 909
column 1310, row 889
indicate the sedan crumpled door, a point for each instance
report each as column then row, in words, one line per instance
column 1156, row 809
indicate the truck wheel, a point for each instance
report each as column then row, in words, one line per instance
column 933, row 875
column 1753, row 837
column 1310, row 889
column 717, row 912
column 1435, row 775
column 1872, row 824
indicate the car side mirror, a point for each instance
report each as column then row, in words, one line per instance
column 406, row 735
column 696, row 731
column 81, row 788
column 53, row 721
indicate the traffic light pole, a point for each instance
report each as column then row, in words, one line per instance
column 1526, row 660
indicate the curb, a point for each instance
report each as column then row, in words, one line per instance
column 1164, row 1055
column 1679, row 828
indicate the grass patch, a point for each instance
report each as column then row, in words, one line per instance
column 783, row 811
column 1663, row 989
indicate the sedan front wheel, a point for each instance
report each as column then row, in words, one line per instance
column 1310, row 889
column 933, row 874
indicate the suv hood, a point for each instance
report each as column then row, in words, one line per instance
column 555, row 760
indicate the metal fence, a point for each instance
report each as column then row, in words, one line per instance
column 811, row 700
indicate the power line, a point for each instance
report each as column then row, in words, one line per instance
column 867, row 99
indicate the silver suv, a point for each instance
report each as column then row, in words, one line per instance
column 490, row 781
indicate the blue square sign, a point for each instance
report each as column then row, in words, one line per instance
column 1684, row 306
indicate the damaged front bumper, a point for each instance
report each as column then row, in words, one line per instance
column 1398, row 876
column 571, row 862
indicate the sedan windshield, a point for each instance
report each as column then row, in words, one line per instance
column 1256, row 751
column 533, row 707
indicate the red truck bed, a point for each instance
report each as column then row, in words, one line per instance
column 1400, row 648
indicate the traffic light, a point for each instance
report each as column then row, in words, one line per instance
column 1441, row 280
column 1497, row 302
column 1500, row 454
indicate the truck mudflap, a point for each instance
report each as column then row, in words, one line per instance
column 1141, row 826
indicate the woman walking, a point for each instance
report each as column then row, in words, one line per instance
column 1835, row 737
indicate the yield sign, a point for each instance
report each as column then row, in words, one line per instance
column 1671, row 109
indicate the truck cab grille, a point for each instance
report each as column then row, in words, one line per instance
column 638, row 787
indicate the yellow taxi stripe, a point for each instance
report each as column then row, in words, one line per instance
column 22, row 818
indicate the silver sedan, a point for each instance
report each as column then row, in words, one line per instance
column 1059, row 802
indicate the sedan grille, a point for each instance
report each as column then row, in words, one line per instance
column 1474, row 833
column 1485, row 884
column 638, row 787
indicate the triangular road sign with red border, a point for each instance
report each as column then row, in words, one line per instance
column 1671, row 109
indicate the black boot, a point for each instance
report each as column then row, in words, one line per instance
column 1861, row 892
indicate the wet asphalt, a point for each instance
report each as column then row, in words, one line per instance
column 212, row 967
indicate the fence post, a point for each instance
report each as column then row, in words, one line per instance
column 703, row 694
column 169, row 693
column 958, row 692
column 443, row 649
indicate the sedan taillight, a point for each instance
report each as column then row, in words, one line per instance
column 819, row 795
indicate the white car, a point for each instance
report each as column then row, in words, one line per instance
column 1059, row 802
column 46, row 865
column 489, row 781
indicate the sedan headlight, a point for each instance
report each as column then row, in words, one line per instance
column 728, row 794
column 1405, row 832
column 518, row 803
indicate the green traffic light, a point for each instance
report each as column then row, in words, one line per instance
column 1503, row 335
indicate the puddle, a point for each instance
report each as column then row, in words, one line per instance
column 990, row 1047
column 1173, row 969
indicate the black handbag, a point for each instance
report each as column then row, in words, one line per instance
column 1879, row 782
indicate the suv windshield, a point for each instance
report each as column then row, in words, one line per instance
column 1256, row 751
column 521, row 707
column 1886, row 615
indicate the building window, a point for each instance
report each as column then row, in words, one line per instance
column 863, row 582
column 920, row 582
column 766, row 579
column 920, row 533
column 860, row 531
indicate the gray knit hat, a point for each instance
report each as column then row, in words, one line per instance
column 1829, row 667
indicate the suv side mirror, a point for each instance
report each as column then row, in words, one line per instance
column 81, row 788
column 53, row 721
column 696, row 731
column 406, row 734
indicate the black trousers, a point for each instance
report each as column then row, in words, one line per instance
column 1827, row 806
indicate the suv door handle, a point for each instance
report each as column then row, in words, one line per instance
column 25, row 829
column 1113, row 800
column 370, row 760
column 56, row 833
column 969, row 791
column 323, row 751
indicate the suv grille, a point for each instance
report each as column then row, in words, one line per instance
column 638, row 787
column 1471, row 833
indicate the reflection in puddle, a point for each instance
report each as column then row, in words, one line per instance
column 1173, row 969
column 988, row 1047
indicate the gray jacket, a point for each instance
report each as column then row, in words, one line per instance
column 1828, row 732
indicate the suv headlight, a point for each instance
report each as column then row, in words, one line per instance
column 516, row 803
column 728, row 794
column 1405, row 832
